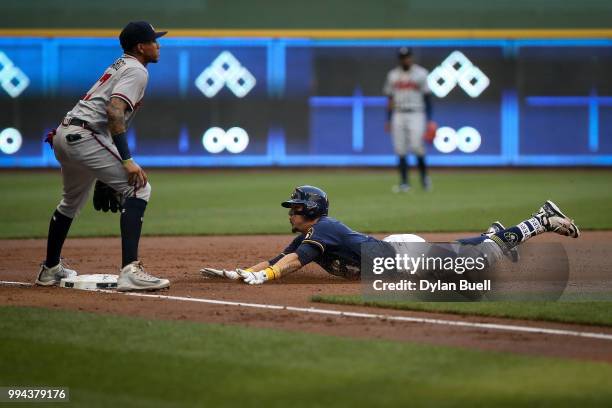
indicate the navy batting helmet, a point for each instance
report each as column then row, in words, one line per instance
column 313, row 199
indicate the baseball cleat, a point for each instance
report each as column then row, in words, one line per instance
column 134, row 277
column 553, row 219
column 53, row 276
column 402, row 188
column 496, row 227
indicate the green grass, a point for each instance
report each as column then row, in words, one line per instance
column 247, row 201
column 119, row 361
column 594, row 313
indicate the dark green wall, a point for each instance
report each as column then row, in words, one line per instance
column 338, row 14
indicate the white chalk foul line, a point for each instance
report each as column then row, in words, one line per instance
column 314, row 310
column 9, row 283
column 331, row 312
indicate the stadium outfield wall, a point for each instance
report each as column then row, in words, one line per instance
column 312, row 14
column 515, row 97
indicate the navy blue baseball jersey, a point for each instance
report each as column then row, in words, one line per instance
column 335, row 247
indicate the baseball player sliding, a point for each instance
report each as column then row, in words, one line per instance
column 337, row 248
column 409, row 114
column 91, row 145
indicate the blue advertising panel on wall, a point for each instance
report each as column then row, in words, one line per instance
column 292, row 102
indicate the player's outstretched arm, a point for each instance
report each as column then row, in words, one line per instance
column 259, row 267
column 219, row 273
column 286, row 265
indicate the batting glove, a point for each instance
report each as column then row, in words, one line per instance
column 252, row 278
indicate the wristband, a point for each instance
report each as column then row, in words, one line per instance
column 122, row 146
column 272, row 272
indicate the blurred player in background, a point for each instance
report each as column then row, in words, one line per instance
column 409, row 113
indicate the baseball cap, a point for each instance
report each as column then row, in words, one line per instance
column 404, row 52
column 136, row 32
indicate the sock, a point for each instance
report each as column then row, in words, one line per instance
column 513, row 236
column 531, row 227
column 403, row 169
column 422, row 168
column 58, row 230
column 131, row 226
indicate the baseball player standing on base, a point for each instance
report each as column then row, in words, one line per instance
column 91, row 145
column 409, row 111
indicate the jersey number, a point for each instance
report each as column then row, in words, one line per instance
column 101, row 81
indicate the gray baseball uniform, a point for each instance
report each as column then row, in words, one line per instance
column 86, row 152
column 408, row 122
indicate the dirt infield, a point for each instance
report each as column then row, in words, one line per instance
column 180, row 258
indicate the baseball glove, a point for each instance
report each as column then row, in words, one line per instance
column 105, row 198
column 430, row 131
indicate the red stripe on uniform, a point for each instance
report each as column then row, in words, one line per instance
column 125, row 98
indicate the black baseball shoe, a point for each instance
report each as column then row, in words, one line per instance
column 553, row 219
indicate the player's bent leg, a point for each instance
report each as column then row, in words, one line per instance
column 52, row 270
column 143, row 193
column 133, row 275
column 486, row 245
column 549, row 218
column 59, row 225
column 134, row 203
column 132, row 214
column 497, row 226
column 131, row 219
column 77, row 182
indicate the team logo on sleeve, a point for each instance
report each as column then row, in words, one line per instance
column 511, row 237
